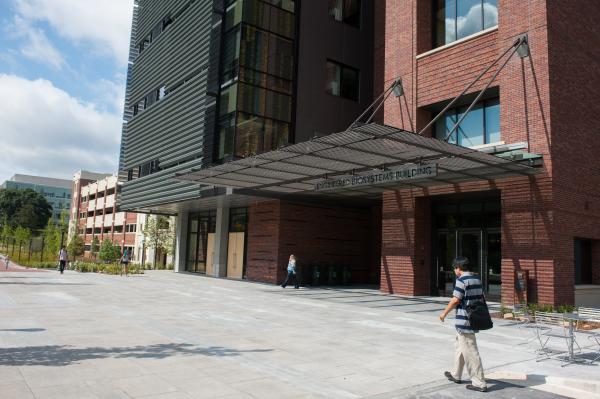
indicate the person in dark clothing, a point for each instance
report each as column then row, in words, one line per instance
column 291, row 273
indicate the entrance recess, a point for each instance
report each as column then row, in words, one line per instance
column 200, row 242
column 456, row 235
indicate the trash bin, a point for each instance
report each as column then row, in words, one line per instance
column 316, row 274
column 334, row 275
column 346, row 275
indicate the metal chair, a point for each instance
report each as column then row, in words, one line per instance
column 591, row 315
column 548, row 326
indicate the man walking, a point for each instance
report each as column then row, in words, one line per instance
column 63, row 257
column 291, row 273
column 467, row 288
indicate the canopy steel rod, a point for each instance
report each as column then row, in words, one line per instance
column 482, row 92
column 447, row 107
column 377, row 102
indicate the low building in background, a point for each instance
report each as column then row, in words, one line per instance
column 56, row 191
column 94, row 214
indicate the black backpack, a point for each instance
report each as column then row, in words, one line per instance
column 479, row 315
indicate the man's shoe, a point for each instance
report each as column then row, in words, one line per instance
column 451, row 378
column 478, row 389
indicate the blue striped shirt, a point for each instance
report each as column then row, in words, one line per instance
column 467, row 288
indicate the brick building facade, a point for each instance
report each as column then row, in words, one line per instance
column 240, row 219
column 545, row 101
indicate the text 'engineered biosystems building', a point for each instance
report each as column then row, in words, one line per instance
column 374, row 140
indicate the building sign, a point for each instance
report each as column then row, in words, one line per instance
column 392, row 175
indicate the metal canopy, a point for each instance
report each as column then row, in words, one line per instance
column 298, row 168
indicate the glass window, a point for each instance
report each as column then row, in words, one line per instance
column 492, row 121
column 234, row 15
column 490, row 13
column 470, row 131
column 333, row 73
column 249, row 135
column 342, row 81
column 583, row 261
column 238, row 219
column 278, row 106
column 480, row 126
column 469, row 17
column 228, row 101
column 226, row 131
column 456, row 19
column 281, row 57
column 346, row 11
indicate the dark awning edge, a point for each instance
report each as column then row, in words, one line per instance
column 359, row 152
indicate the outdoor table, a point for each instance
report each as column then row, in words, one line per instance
column 572, row 318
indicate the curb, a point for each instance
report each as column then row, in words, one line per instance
column 572, row 387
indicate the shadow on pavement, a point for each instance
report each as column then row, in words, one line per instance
column 23, row 329
column 63, row 355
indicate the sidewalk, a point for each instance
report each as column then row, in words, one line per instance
column 13, row 266
column 168, row 335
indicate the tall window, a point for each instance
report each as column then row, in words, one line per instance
column 455, row 19
column 480, row 126
column 346, row 11
column 255, row 105
column 583, row 261
column 342, row 81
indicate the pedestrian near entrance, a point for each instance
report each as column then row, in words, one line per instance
column 63, row 257
column 125, row 261
column 467, row 288
column 291, row 273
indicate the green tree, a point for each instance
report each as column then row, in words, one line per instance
column 24, row 208
column 51, row 236
column 109, row 252
column 7, row 234
column 158, row 235
column 76, row 246
column 95, row 246
column 22, row 235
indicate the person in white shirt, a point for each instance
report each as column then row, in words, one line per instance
column 63, row 257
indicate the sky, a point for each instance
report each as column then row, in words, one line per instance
column 63, row 66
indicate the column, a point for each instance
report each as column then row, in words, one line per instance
column 180, row 241
column 221, row 242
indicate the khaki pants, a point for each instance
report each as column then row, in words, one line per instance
column 467, row 353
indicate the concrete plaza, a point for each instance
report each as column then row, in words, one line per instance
column 168, row 335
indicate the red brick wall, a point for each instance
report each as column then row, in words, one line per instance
column 527, row 228
column 314, row 233
column 574, row 80
column 264, row 258
column 444, row 74
column 540, row 215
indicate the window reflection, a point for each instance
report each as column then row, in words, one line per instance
column 341, row 80
column 480, row 126
column 258, row 58
column 456, row 19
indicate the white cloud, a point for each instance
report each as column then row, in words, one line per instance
column 37, row 46
column 106, row 24
column 45, row 131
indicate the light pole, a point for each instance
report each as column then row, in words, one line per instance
column 143, row 251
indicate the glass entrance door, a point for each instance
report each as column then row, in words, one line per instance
column 482, row 248
column 493, row 264
column 446, row 250
column 469, row 245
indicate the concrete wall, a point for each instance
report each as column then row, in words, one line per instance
column 322, row 38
